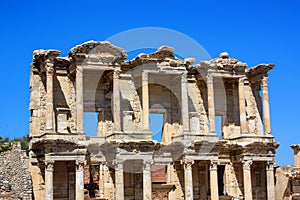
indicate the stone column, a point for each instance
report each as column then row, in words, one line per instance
column 119, row 181
column 270, row 180
column 79, row 99
column 80, row 179
column 247, row 179
column 101, row 181
column 296, row 148
column 188, row 179
column 242, row 105
column 145, row 100
column 266, row 107
column 184, row 103
column 49, row 168
column 214, row 188
column 116, row 101
column 147, row 183
column 211, row 104
column 49, row 103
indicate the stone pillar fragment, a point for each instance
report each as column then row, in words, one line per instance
column 242, row 105
column 247, row 179
column 270, row 180
column 184, row 103
column 49, row 103
column 49, row 168
column 119, row 181
column 214, row 189
column 296, row 148
column 101, row 181
column 116, row 101
column 80, row 179
column 211, row 104
column 145, row 100
column 79, row 99
column 266, row 106
column 147, row 183
column 188, row 179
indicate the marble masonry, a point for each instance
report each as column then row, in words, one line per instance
column 216, row 139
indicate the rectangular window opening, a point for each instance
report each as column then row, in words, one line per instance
column 90, row 123
column 219, row 125
column 156, row 122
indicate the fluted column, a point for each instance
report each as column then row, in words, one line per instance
column 184, row 103
column 49, row 103
column 270, row 180
column 247, row 179
column 80, row 179
column 119, row 181
column 242, row 105
column 147, row 183
column 266, row 106
column 116, row 101
column 145, row 97
column 214, row 189
column 188, row 179
column 211, row 104
column 49, row 168
column 79, row 99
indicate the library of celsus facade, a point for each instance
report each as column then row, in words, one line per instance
column 216, row 140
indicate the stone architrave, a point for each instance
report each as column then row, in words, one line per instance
column 49, row 168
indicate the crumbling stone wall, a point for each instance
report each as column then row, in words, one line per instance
column 15, row 179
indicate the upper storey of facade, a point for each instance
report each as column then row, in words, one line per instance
column 195, row 100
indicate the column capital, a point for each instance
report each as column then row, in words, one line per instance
column 247, row 164
column 242, row 80
column 49, row 66
column 79, row 70
column 147, row 165
column 184, row 77
column 270, row 166
column 116, row 74
column 187, row 164
column 49, row 165
column 118, row 164
column 265, row 81
column 214, row 165
column 145, row 76
column 209, row 79
column 80, row 165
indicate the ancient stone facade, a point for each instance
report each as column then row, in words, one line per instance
column 123, row 161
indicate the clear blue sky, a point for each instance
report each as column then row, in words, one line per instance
column 252, row 31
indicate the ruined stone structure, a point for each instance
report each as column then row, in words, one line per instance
column 288, row 179
column 123, row 161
